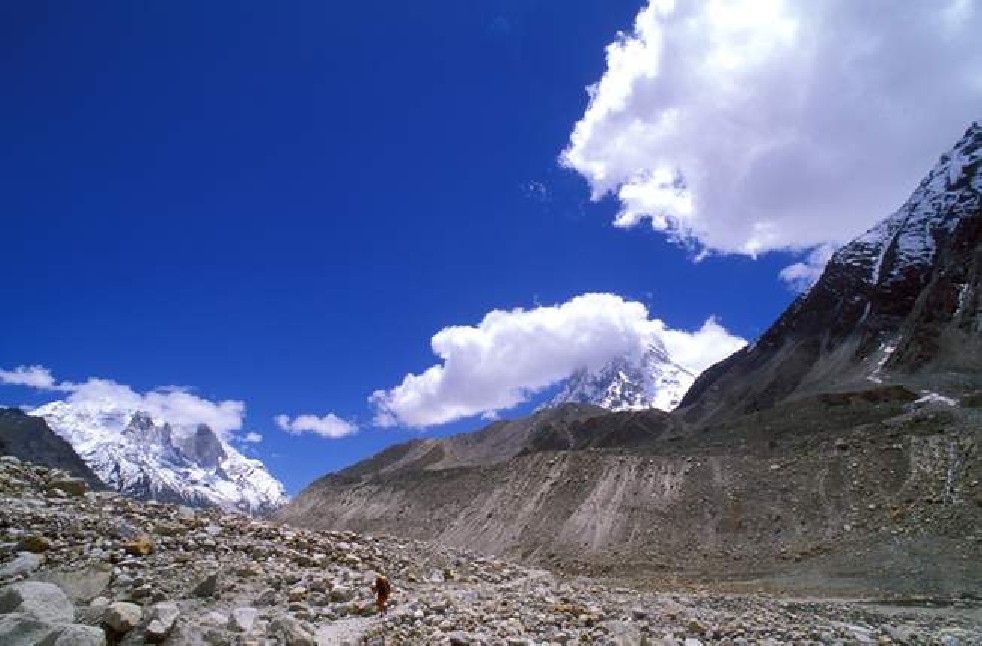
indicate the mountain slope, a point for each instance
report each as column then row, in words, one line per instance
column 497, row 442
column 30, row 439
column 651, row 380
column 807, row 459
column 900, row 304
column 149, row 459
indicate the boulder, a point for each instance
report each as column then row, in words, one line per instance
column 242, row 619
column 81, row 586
column 139, row 546
column 123, row 616
column 76, row 635
column 206, row 587
column 290, row 631
column 162, row 617
column 20, row 629
column 43, row 601
column 71, row 486
column 35, row 543
column 23, row 563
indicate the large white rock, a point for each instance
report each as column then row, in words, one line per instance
column 44, row 601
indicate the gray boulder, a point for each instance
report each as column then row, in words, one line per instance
column 44, row 601
column 23, row 563
column 81, row 586
column 20, row 629
column 123, row 616
column 291, row 632
column 76, row 635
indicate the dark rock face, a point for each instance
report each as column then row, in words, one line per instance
column 900, row 304
column 204, row 447
column 30, row 438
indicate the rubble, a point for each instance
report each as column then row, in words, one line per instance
column 221, row 578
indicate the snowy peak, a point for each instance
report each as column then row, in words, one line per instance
column 910, row 237
column 648, row 380
column 150, row 459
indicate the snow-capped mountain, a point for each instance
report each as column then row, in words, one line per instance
column 648, row 380
column 149, row 459
column 901, row 304
column 909, row 238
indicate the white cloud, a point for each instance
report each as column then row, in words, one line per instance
column 700, row 349
column 31, row 376
column 252, row 438
column 330, row 426
column 802, row 275
column 511, row 355
column 745, row 126
column 172, row 404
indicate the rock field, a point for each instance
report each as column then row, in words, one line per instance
column 80, row 567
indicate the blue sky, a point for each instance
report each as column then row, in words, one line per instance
column 280, row 204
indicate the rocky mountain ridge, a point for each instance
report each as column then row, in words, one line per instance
column 150, row 459
column 29, row 438
column 900, row 304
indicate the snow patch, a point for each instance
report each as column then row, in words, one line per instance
column 929, row 398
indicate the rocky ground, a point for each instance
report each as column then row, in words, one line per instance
column 82, row 567
column 853, row 494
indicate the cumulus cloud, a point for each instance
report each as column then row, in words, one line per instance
column 330, row 426
column 171, row 404
column 746, row 126
column 30, row 376
column 802, row 275
column 511, row 355
column 252, row 438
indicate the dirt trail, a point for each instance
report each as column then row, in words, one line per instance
column 345, row 632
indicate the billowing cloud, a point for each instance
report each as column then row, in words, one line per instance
column 171, row 404
column 330, row 426
column 802, row 275
column 745, row 126
column 511, row 355
column 30, row 376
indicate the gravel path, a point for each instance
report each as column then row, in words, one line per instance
column 344, row 632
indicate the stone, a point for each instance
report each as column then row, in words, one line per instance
column 81, row 586
column 43, row 601
column 35, row 543
column 242, row 619
column 206, row 587
column 123, row 616
column 162, row 617
column 71, row 486
column 77, row 635
column 19, row 629
column 139, row 546
column 290, row 631
column 341, row 594
column 23, row 563
column 266, row 598
column 296, row 594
